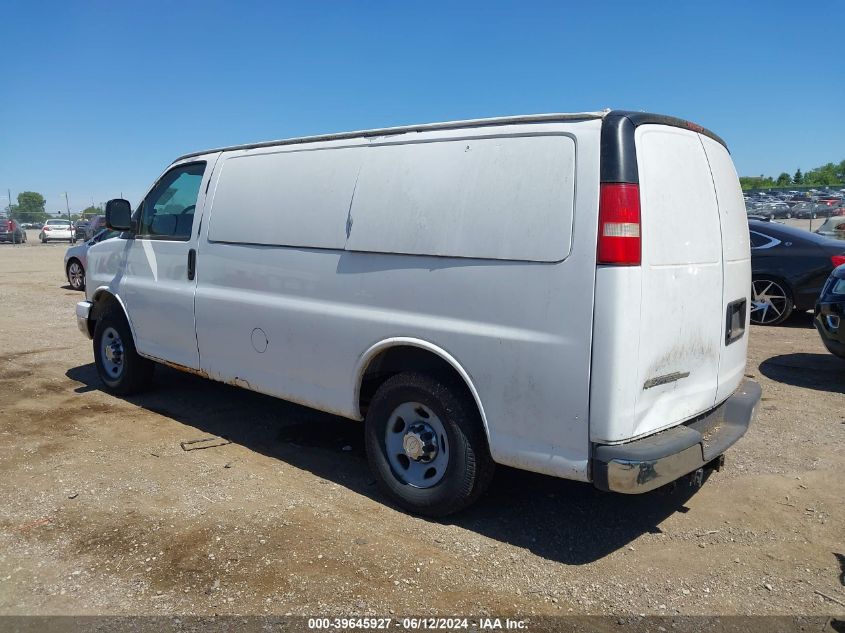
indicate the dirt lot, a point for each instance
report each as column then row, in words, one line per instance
column 105, row 513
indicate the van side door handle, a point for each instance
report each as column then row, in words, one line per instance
column 192, row 264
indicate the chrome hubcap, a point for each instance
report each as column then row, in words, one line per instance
column 111, row 352
column 768, row 301
column 76, row 275
column 416, row 445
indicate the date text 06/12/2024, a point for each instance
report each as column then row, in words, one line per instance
column 414, row 624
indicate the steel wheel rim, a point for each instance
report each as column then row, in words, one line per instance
column 416, row 445
column 768, row 301
column 76, row 275
column 112, row 353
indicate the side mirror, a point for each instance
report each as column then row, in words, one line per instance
column 119, row 214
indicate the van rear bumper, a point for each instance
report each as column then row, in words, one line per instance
column 646, row 464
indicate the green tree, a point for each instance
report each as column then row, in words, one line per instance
column 756, row 182
column 30, row 207
column 91, row 211
column 824, row 175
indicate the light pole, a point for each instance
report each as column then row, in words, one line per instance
column 72, row 231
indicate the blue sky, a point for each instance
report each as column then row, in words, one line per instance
column 96, row 98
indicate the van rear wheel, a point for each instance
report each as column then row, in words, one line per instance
column 121, row 369
column 426, row 445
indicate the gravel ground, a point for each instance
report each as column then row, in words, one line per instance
column 104, row 513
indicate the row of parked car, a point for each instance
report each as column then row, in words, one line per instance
column 51, row 230
column 789, row 204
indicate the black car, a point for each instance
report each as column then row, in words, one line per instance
column 810, row 210
column 789, row 266
column 776, row 210
column 830, row 313
column 804, row 209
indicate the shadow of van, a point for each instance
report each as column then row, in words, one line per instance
column 565, row 521
column 817, row 371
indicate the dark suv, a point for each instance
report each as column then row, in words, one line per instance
column 80, row 229
column 11, row 231
column 97, row 224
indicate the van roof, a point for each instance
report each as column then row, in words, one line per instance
column 636, row 118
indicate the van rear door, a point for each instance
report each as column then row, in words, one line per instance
column 681, row 313
column 669, row 339
column 737, row 267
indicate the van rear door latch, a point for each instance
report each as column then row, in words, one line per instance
column 735, row 321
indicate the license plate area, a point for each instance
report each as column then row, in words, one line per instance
column 735, row 320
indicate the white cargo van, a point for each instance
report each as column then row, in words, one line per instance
column 563, row 293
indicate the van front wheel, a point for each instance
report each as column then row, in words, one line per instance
column 121, row 369
column 426, row 445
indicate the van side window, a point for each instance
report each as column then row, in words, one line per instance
column 168, row 210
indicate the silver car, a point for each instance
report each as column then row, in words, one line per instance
column 76, row 258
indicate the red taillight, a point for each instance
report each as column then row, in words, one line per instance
column 46, row 227
column 619, row 224
column 837, row 260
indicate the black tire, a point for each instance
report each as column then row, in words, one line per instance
column 785, row 307
column 135, row 372
column 469, row 468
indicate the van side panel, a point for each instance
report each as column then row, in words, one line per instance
column 508, row 197
column 737, row 258
column 296, row 322
column 261, row 194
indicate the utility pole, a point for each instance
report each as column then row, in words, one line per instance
column 72, row 231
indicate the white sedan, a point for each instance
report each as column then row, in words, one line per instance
column 56, row 230
column 76, row 258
